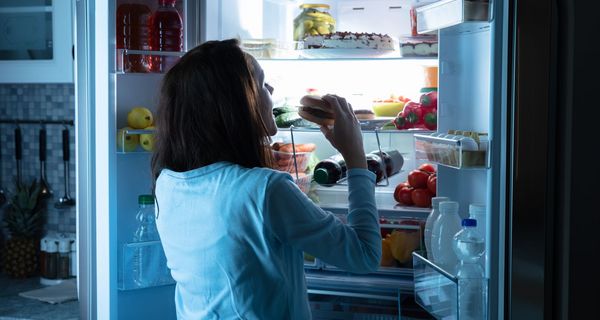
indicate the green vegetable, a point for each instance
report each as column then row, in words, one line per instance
column 284, row 109
column 285, row 120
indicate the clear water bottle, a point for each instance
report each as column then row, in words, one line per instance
column 433, row 215
column 477, row 211
column 469, row 246
column 144, row 264
column 444, row 229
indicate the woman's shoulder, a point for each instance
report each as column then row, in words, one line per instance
column 270, row 175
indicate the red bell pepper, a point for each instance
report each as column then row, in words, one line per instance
column 429, row 99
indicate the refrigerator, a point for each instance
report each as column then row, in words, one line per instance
column 483, row 58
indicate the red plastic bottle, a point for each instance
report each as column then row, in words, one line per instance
column 133, row 32
column 166, row 34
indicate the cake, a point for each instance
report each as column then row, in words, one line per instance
column 349, row 40
column 419, row 47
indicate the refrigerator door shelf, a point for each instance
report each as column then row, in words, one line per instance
column 455, row 152
column 123, row 54
column 128, row 140
column 447, row 13
column 153, row 269
column 435, row 289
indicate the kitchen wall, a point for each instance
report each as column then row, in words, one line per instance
column 37, row 102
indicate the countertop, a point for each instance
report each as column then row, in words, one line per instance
column 15, row 307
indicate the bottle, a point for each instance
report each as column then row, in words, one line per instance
column 444, row 228
column 64, row 262
column 166, row 34
column 73, row 259
column 43, row 255
column 392, row 160
column 469, row 246
column 51, row 259
column 329, row 171
column 133, row 32
column 433, row 215
column 143, row 266
column 477, row 211
column 375, row 165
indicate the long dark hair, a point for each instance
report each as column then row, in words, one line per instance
column 209, row 111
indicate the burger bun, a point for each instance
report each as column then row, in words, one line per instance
column 315, row 109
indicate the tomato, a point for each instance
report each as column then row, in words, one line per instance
column 402, row 194
column 427, row 167
column 432, row 183
column 422, row 197
column 418, row 179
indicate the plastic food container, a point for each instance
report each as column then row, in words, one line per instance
column 284, row 161
column 259, row 48
column 313, row 20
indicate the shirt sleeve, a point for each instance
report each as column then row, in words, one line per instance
column 297, row 221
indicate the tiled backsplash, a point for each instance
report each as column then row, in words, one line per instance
column 39, row 102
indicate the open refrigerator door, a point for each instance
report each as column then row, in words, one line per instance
column 384, row 57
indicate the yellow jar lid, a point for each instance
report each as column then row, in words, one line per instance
column 314, row 5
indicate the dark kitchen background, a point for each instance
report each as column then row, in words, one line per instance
column 39, row 102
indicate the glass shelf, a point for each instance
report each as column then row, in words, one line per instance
column 367, row 126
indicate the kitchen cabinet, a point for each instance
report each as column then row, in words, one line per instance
column 36, row 41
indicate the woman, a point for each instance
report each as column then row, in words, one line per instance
column 233, row 230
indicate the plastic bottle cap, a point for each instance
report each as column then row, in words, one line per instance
column 476, row 208
column 321, row 176
column 435, row 201
column 64, row 245
column 448, row 206
column 427, row 89
column 74, row 246
column 146, row 199
column 51, row 246
column 469, row 222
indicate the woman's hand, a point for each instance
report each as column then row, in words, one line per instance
column 345, row 135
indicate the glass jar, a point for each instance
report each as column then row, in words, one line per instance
column 313, row 20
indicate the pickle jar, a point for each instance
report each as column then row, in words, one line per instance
column 313, row 20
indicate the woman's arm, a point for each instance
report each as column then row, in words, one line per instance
column 297, row 221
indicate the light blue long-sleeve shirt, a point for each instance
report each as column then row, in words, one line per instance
column 234, row 239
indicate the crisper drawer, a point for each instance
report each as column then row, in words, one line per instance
column 400, row 237
column 338, row 295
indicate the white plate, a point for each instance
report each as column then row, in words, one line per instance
column 320, row 53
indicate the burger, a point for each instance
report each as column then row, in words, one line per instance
column 315, row 109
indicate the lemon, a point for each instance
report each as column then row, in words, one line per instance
column 147, row 140
column 403, row 243
column 139, row 118
column 127, row 142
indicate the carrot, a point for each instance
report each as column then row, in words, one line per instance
column 300, row 147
